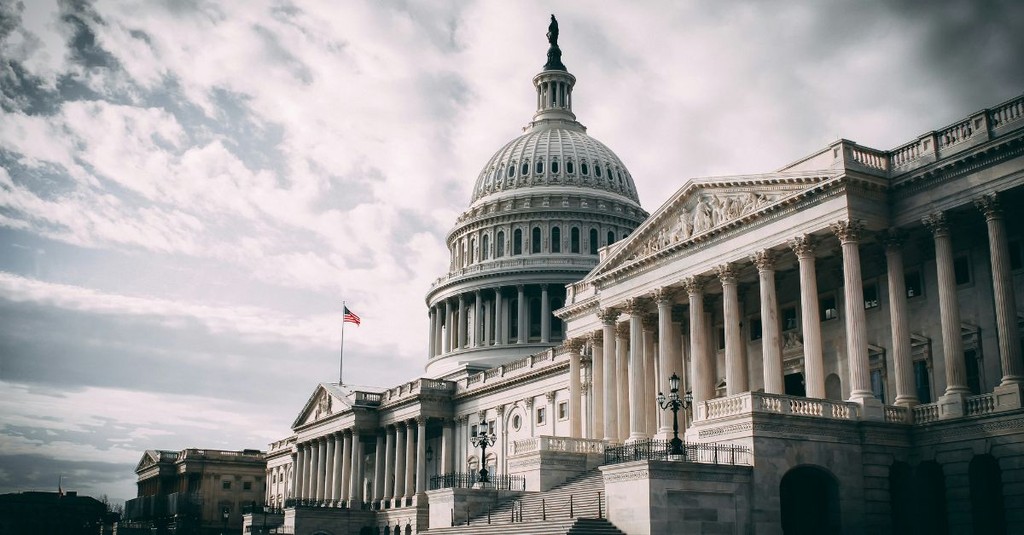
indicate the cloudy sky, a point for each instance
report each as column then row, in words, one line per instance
column 189, row 189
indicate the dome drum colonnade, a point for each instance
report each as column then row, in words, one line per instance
column 636, row 384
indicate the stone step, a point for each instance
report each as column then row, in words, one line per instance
column 579, row 526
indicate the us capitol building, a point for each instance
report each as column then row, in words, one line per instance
column 845, row 330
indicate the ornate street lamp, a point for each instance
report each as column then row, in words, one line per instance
column 675, row 403
column 483, row 439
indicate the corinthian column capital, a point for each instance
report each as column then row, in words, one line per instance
column 847, row 231
column 803, row 246
column 608, row 315
column 726, row 273
column 937, row 223
column 764, row 260
column 989, row 205
column 693, row 285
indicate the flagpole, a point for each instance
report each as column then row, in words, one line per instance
column 341, row 359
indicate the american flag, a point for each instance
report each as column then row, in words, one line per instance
column 350, row 317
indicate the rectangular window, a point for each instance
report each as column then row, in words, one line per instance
column 878, row 385
column 247, row 485
column 915, row 286
column 829, row 309
column 226, row 485
column 789, row 318
column 563, row 410
column 491, row 427
column 870, row 295
column 973, row 375
column 922, row 381
column 541, row 415
column 473, row 430
column 1016, row 255
column 755, row 329
column 962, row 269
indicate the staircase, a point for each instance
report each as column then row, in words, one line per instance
column 568, row 509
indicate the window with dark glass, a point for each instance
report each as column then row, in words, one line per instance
column 538, row 168
column 789, row 318
column 962, row 269
column 563, row 410
column 597, row 170
column 973, row 375
column 583, row 168
column 511, row 171
column 870, row 295
column 593, row 241
column 556, row 240
column 878, row 384
column 574, row 240
column 829, row 308
column 517, row 242
column 500, row 245
column 554, row 167
column 525, row 170
column 915, row 286
column 541, row 415
column 922, row 381
column 611, row 238
column 569, row 167
column 535, row 318
column 485, row 250
column 755, row 329
column 535, row 240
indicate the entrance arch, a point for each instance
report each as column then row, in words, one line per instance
column 809, row 500
column 986, row 479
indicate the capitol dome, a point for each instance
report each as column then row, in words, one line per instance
column 543, row 208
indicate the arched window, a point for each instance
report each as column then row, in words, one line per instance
column 569, row 168
column 517, row 241
column 809, row 501
column 538, row 168
column 556, row 240
column 584, row 169
column 597, row 170
column 535, row 240
column 472, row 251
column 554, row 167
column 574, row 240
column 525, row 169
column 593, row 241
column 500, row 245
column 611, row 237
column 485, row 250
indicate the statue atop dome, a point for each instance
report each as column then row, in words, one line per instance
column 554, row 53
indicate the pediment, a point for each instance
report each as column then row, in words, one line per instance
column 705, row 207
column 327, row 399
column 152, row 458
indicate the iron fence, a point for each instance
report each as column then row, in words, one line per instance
column 464, row 480
column 661, row 450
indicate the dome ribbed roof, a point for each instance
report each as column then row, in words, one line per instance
column 558, row 156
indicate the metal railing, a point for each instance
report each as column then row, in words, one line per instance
column 463, row 480
column 660, row 450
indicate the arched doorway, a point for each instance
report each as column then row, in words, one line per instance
column 930, row 490
column 809, row 497
column 833, row 387
column 901, row 497
column 987, row 512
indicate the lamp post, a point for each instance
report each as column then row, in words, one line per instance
column 224, row 514
column 483, row 439
column 674, row 402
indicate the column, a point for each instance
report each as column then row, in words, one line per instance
column 446, row 446
column 379, row 454
column 550, row 396
column 771, row 341
column 389, row 464
column 488, row 322
column 438, row 332
column 611, row 409
column 294, row 474
column 400, row 467
column 575, row 413
column 461, row 329
column 622, row 378
column 339, row 461
column 346, row 466
column 637, row 423
column 319, row 458
column 949, row 306
column 430, row 335
column 501, row 446
column 668, row 351
column 545, row 315
column 647, row 396
column 421, row 454
column 499, row 319
column 856, row 327
column 410, row 461
column 523, row 332
column 297, row 472
column 478, row 316
column 810, row 323
column 703, row 367
column 329, row 470
column 355, row 492
column 906, row 394
column 1002, row 289
column 735, row 367
column 597, row 373
column 446, row 334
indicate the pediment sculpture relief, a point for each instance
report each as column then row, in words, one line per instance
column 323, row 406
column 704, row 212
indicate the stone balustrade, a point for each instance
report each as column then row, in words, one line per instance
column 751, row 402
column 408, row 390
column 559, row 444
column 508, row 264
column 983, row 404
column 926, row 413
column 550, row 357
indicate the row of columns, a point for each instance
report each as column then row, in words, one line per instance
column 451, row 330
column 328, row 470
column 624, row 375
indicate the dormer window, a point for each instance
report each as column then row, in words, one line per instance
column 554, row 167
column 597, row 171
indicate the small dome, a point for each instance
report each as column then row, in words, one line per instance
column 558, row 156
